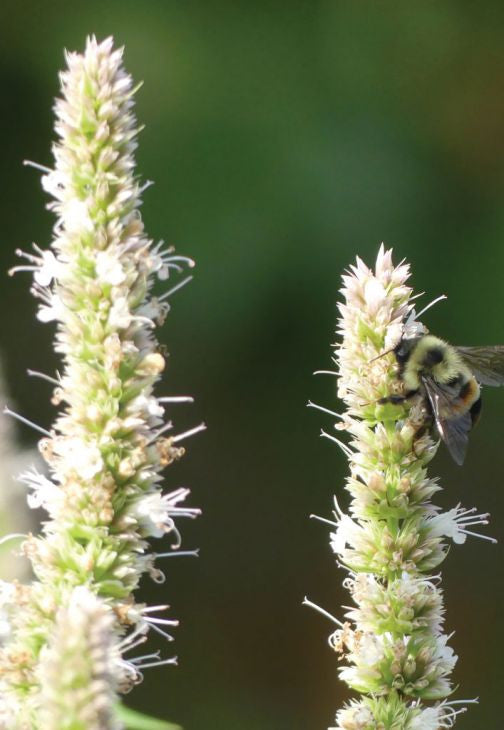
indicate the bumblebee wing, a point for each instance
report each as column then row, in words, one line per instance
column 453, row 427
column 486, row 363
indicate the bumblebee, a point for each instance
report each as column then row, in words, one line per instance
column 448, row 378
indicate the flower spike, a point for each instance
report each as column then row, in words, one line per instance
column 391, row 642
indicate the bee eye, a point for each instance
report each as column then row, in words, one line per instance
column 402, row 353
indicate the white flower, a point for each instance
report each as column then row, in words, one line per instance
column 149, row 406
column 441, row 716
column 355, row 718
column 349, row 532
column 77, row 455
column 374, row 294
column 428, row 719
column 76, row 216
column 109, row 268
column 49, row 269
column 156, row 512
column 44, row 492
column 119, row 315
column 454, row 524
column 53, row 310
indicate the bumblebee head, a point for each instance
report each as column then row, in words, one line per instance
column 404, row 348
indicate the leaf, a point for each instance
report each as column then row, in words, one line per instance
column 133, row 720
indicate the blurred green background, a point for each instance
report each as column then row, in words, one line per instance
column 284, row 138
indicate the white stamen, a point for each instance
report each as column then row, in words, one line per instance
column 185, row 259
column 323, row 519
column 165, row 621
column 431, row 304
column 17, row 269
column 167, row 427
column 187, row 434
column 42, row 376
column 324, row 410
column 175, row 288
column 325, row 613
column 13, row 536
column 147, row 184
column 346, row 450
column 168, row 637
column 153, row 609
column 160, row 663
column 177, row 553
column 37, row 166
column 477, row 534
column 24, row 420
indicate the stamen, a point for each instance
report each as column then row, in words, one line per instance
column 324, row 410
column 157, row 575
column 168, row 637
column 173, row 660
column 175, row 288
column 154, row 655
column 346, row 450
column 165, row 621
column 37, row 166
column 325, row 613
column 133, row 644
column 187, row 434
column 176, row 399
column 337, row 509
column 185, row 511
column 12, row 536
column 185, row 259
column 42, row 376
column 17, row 269
column 431, row 304
column 324, row 372
column 150, row 609
column 175, row 546
column 477, row 534
column 8, row 412
column 417, row 296
column 323, row 519
column 147, row 184
column 178, row 553
column 167, row 427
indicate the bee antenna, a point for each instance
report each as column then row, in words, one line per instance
column 431, row 304
column 382, row 354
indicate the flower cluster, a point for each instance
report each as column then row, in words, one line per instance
column 79, row 667
column 392, row 643
column 110, row 442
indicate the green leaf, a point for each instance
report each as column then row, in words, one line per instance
column 133, row 720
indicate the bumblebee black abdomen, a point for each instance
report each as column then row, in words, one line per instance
column 475, row 411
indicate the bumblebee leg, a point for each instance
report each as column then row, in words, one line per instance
column 395, row 399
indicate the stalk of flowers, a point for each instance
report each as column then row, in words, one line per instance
column 392, row 642
column 110, row 442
